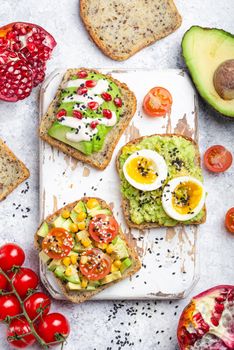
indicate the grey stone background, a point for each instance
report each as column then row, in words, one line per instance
column 109, row 325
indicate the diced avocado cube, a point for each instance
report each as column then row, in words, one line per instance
column 59, row 221
column 120, row 249
column 44, row 257
column 111, row 277
column 125, row 265
column 94, row 284
column 78, row 247
column 43, row 230
column 67, row 224
column 93, row 212
column 115, row 240
column 59, row 271
column 73, row 286
column 72, row 253
column 74, row 278
column 90, row 288
column 79, row 207
column 98, row 207
column 82, row 235
column 53, row 264
column 73, row 216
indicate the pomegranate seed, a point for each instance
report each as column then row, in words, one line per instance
column 107, row 113
column 82, row 90
column 214, row 321
column 61, row 113
column 106, row 96
column 93, row 124
column 220, row 299
column 93, row 105
column 77, row 114
column 118, row 102
column 219, row 308
column 90, row 83
column 82, row 74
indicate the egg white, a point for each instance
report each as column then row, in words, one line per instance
column 167, row 198
column 160, row 166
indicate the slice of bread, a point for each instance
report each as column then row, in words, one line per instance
column 125, row 201
column 101, row 158
column 81, row 296
column 12, row 171
column 122, row 28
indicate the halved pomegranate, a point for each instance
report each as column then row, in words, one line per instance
column 24, row 50
column 207, row 323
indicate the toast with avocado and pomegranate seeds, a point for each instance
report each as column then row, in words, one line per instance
column 88, row 116
column 12, row 171
column 98, row 233
column 122, row 28
column 144, row 209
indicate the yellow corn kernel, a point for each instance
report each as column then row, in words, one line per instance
column 114, row 268
column 81, row 216
column 84, row 283
column 81, row 225
column 86, row 242
column 83, row 259
column 100, row 245
column 65, row 214
column 73, row 259
column 117, row 263
column 74, row 227
column 92, row 203
column 68, row 271
column 109, row 249
column 67, row 261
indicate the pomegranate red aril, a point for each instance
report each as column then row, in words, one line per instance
column 82, row 91
column 219, row 308
column 93, row 105
column 90, row 83
column 118, row 102
column 77, row 114
column 106, row 97
column 107, row 113
column 61, row 113
column 93, row 124
column 82, row 74
column 214, row 321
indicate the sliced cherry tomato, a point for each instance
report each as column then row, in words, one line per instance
column 103, row 228
column 24, row 280
column 157, row 103
column 53, row 327
column 217, row 159
column 58, row 243
column 11, row 255
column 229, row 220
column 96, row 264
column 9, row 306
column 3, row 282
column 37, row 303
column 18, row 327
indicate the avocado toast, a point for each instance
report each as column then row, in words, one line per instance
column 88, row 116
column 85, row 248
column 144, row 209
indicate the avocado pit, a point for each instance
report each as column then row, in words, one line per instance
column 223, row 80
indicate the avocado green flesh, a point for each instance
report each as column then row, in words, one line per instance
column 147, row 206
column 59, row 131
column 204, row 49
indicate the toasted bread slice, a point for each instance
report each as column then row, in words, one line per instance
column 101, row 158
column 122, row 28
column 81, row 296
column 125, row 201
column 12, row 171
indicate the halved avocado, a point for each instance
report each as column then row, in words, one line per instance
column 204, row 50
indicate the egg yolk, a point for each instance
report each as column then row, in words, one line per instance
column 142, row 170
column 186, row 197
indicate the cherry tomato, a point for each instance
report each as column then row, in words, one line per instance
column 157, row 103
column 9, row 306
column 18, row 327
column 3, row 282
column 217, row 159
column 58, row 243
column 37, row 303
column 103, row 228
column 53, row 327
column 229, row 220
column 97, row 264
column 24, row 280
column 11, row 255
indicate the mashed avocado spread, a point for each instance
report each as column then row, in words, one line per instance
column 179, row 154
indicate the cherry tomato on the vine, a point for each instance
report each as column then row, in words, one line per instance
column 53, row 327
column 11, row 255
column 37, row 303
column 17, row 327
column 24, row 280
column 9, row 306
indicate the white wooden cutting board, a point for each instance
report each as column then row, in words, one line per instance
column 169, row 255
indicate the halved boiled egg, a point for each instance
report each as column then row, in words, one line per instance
column 183, row 198
column 145, row 170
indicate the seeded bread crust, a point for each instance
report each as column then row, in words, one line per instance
column 125, row 202
column 122, row 28
column 77, row 296
column 102, row 158
column 12, row 171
